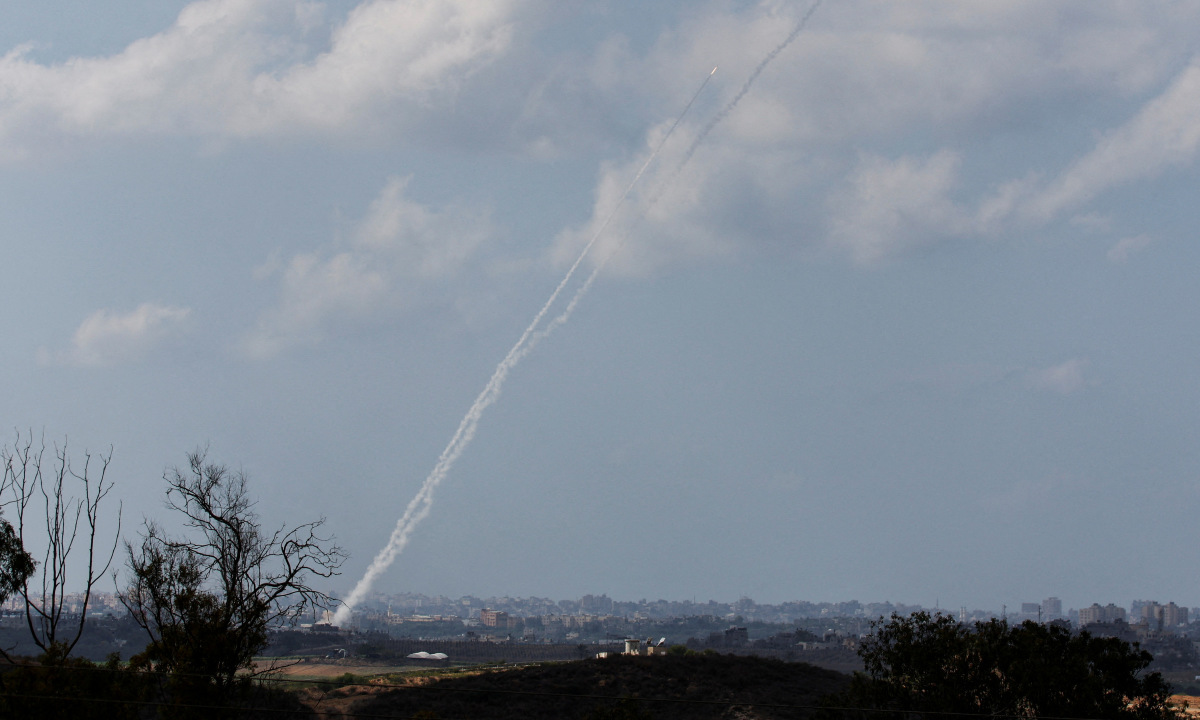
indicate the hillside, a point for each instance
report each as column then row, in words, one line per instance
column 692, row 686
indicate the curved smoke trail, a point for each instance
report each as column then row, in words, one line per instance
column 419, row 507
column 662, row 186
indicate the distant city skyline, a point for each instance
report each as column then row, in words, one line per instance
column 486, row 610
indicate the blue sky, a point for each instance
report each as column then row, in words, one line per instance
column 916, row 322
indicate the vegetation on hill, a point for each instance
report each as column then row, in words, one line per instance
column 696, row 685
column 933, row 663
column 205, row 599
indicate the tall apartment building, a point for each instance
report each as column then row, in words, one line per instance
column 1160, row 617
column 493, row 618
column 1174, row 616
column 1051, row 609
column 1097, row 614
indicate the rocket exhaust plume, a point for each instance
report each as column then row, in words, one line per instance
column 687, row 156
column 419, row 507
column 724, row 113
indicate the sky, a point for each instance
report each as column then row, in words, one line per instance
column 917, row 319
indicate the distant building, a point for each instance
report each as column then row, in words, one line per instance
column 1118, row 629
column 593, row 604
column 493, row 618
column 1160, row 617
column 1051, row 609
column 1174, row 616
column 736, row 637
column 1031, row 611
column 1097, row 614
column 1136, row 609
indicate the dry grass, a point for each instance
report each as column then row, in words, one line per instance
column 324, row 670
column 1189, row 703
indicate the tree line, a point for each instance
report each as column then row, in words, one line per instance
column 205, row 598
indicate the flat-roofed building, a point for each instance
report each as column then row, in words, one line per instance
column 493, row 618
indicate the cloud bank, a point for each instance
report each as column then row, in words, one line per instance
column 254, row 68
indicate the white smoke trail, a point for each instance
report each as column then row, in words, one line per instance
column 655, row 196
column 418, row 507
column 724, row 113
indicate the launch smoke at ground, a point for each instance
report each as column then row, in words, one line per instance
column 419, row 507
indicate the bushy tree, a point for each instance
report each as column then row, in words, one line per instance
column 16, row 565
column 931, row 663
column 59, row 687
column 208, row 598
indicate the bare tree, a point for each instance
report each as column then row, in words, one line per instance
column 208, row 599
column 32, row 490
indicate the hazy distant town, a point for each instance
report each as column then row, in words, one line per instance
column 1170, row 631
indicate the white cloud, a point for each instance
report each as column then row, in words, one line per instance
column 1065, row 378
column 800, row 162
column 399, row 251
column 1165, row 133
column 1127, row 247
column 107, row 337
column 411, row 49
column 797, row 164
column 891, row 206
column 245, row 68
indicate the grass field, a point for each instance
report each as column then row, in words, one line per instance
column 396, row 672
column 324, row 671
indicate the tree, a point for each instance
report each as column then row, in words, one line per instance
column 207, row 599
column 16, row 565
column 932, row 663
column 30, row 485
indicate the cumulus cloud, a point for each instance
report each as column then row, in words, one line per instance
column 1165, row 133
column 799, row 163
column 107, row 337
column 248, row 68
column 891, row 206
column 399, row 249
column 1065, row 378
column 1127, row 247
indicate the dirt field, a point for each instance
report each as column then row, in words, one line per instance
column 320, row 670
column 1191, row 703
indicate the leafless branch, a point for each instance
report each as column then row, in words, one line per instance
column 69, row 518
column 225, row 575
